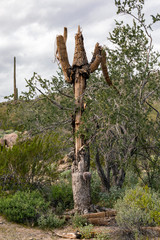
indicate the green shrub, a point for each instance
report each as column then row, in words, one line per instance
column 131, row 179
column 23, row 207
column 61, row 195
column 78, row 221
column 139, row 207
column 29, row 162
column 102, row 236
column 50, row 220
column 86, row 231
column 95, row 187
column 108, row 199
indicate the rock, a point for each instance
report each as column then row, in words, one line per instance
column 64, row 167
column 65, row 163
column 9, row 139
column 66, row 235
column 2, row 142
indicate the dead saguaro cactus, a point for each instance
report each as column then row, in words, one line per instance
column 77, row 74
column 15, row 88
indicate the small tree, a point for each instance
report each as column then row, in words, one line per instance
column 128, row 123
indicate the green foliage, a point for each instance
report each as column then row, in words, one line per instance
column 78, row 221
column 23, row 207
column 86, row 231
column 122, row 125
column 30, row 162
column 150, row 174
column 102, row 236
column 131, row 179
column 109, row 199
column 95, row 187
column 125, row 133
column 103, row 198
column 139, row 207
column 52, row 108
column 50, row 220
column 61, row 195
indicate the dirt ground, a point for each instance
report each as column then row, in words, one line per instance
column 13, row 231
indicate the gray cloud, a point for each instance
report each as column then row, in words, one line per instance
column 29, row 28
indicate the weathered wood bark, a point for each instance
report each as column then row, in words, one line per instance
column 80, row 168
column 63, row 57
column 77, row 75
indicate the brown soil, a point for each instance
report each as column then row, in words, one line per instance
column 13, row 231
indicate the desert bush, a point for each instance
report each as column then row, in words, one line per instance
column 139, row 207
column 61, row 195
column 50, row 220
column 131, row 179
column 102, row 236
column 108, row 199
column 23, row 207
column 95, row 187
column 29, row 163
column 78, row 221
column 86, row 231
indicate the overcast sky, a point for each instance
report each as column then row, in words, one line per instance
column 28, row 30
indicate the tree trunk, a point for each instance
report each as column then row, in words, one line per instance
column 81, row 181
column 118, row 176
column 80, row 167
column 121, row 178
column 105, row 181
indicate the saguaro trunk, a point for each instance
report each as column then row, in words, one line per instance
column 80, row 168
column 15, row 88
column 77, row 75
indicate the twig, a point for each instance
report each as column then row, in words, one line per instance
column 51, row 100
column 153, row 109
column 64, row 94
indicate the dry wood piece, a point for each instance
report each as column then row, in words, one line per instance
column 107, row 214
column 97, row 51
column 80, row 57
column 66, row 235
column 110, row 213
column 95, row 215
column 102, row 221
column 94, row 65
column 105, row 71
column 63, row 57
column 65, row 35
column 104, row 68
column 153, row 231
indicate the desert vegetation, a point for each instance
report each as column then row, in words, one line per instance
column 109, row 132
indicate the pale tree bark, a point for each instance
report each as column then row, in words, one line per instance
column 77, row 74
